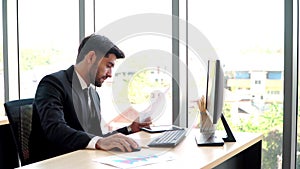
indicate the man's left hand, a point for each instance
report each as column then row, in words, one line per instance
column 136, row 125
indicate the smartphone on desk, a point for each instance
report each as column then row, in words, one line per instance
column 160, row 128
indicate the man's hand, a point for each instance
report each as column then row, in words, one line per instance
column 136, row 125
column 118, row 140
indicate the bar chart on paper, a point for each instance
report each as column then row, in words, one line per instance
column 140, row 159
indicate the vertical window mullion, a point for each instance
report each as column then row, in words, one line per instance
column 290, row 84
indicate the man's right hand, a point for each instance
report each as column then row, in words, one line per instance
column 117, row 140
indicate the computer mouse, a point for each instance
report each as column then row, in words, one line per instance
column 133, row 149
column 136, row 149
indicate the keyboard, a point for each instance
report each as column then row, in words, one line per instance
column 168, row 138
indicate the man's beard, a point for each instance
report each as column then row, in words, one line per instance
column 97, row 84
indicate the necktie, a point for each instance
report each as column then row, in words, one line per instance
column 87, row 98
column 93, row 124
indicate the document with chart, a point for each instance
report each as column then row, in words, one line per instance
column 131, row 160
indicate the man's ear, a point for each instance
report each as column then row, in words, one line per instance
column 91, row 57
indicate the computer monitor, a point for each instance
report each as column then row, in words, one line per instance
column 214, row 106
column 214, row 90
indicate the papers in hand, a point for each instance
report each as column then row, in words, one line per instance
column 156, row 107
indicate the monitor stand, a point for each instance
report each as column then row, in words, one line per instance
column 229, row 137
column 209, row 139
column 213, row 139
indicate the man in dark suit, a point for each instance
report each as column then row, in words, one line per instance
column 66, row 119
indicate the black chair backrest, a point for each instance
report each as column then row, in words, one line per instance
column 19, row 113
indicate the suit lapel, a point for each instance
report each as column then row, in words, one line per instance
column 78, row 98
column 79, row 103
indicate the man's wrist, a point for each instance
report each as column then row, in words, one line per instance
column 129, row 129
column 93, row 142
column 96, row 145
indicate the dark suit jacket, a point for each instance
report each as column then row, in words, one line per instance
column 57, row 120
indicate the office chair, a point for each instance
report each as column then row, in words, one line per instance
column 19, row 113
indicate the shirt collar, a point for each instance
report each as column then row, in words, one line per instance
column 81, row 81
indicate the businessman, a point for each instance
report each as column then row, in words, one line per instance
column 66, row 109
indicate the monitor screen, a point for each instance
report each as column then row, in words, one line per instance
column 215, row 90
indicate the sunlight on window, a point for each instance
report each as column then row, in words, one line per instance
column 248, row 38
column 2, row 112
column 47, row 42
column 131, row 46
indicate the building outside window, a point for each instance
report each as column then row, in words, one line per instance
column 250, row 44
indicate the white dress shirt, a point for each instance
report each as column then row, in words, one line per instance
column 92, row 143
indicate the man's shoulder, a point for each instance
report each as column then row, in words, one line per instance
column 61, row 72
column 60, row 76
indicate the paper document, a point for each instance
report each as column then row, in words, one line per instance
column 157, row 106
column 122, row 161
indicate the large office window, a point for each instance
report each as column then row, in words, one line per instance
column 142, row 80
column 48, row 40
column 248, row 37
column 1, row 65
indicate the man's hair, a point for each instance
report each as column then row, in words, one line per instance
column 100, row 44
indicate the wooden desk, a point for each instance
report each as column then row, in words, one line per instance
column 245, row 153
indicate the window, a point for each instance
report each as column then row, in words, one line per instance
column 48, row 40
column 2, row 112
column 147, row 66
column 242, row 75
column 257, row 82
column 232, row 28
column 274, row 75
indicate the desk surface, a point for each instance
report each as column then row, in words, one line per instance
column 186, row 153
